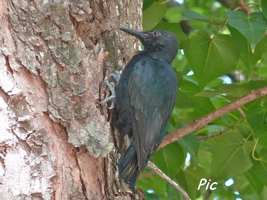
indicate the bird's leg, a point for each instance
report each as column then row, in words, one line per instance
column 111, row 88
column 110, row 84
column 115, row 76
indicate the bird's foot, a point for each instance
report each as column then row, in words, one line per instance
column 115, row 76
column 109, row 100
column 110, row 83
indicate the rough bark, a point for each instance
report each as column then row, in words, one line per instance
column 55, row 142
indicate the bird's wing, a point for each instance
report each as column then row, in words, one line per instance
column 152, row 91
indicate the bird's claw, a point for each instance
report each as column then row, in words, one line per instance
column 109, row 99
column 110, row 84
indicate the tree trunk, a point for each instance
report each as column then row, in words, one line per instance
column 55, row 142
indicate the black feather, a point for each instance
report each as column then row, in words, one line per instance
column 145, row 97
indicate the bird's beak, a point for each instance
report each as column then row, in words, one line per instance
column 138, row 34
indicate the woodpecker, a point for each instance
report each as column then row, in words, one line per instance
column 145, row 97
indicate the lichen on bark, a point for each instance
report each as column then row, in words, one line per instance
column 48, row 45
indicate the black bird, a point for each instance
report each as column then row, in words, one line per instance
column 145, row 97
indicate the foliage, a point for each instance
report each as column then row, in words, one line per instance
column 222, row 58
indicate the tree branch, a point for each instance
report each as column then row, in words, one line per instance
column 178, row 134
column 157, row 171
column 239, row 5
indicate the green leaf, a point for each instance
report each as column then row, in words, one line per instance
column 174, row 157
column 256, row 113
column 172, row 27
column 153, row 15
column 147, row 3
column 264, row 193
column 202, row 106
column 252, row 26
column 170, row 159
column 244, row 47
column 235, row 145
column 191, row 15
column 230, row 154
column 193, row 174
column 210, row 56
column 212, row 129
column 191, row 145
column 204, row 159
column 264, row 8
column 189, row 86
column 235, row 90
column 174, row 14
column 257, row 176
column 173, row 194
column 149, row 181
column 260, row 49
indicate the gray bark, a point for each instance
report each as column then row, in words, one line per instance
column 55, row 142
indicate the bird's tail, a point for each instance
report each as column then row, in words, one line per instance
column 128, row 167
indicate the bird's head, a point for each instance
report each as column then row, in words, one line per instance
column 161, row 43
